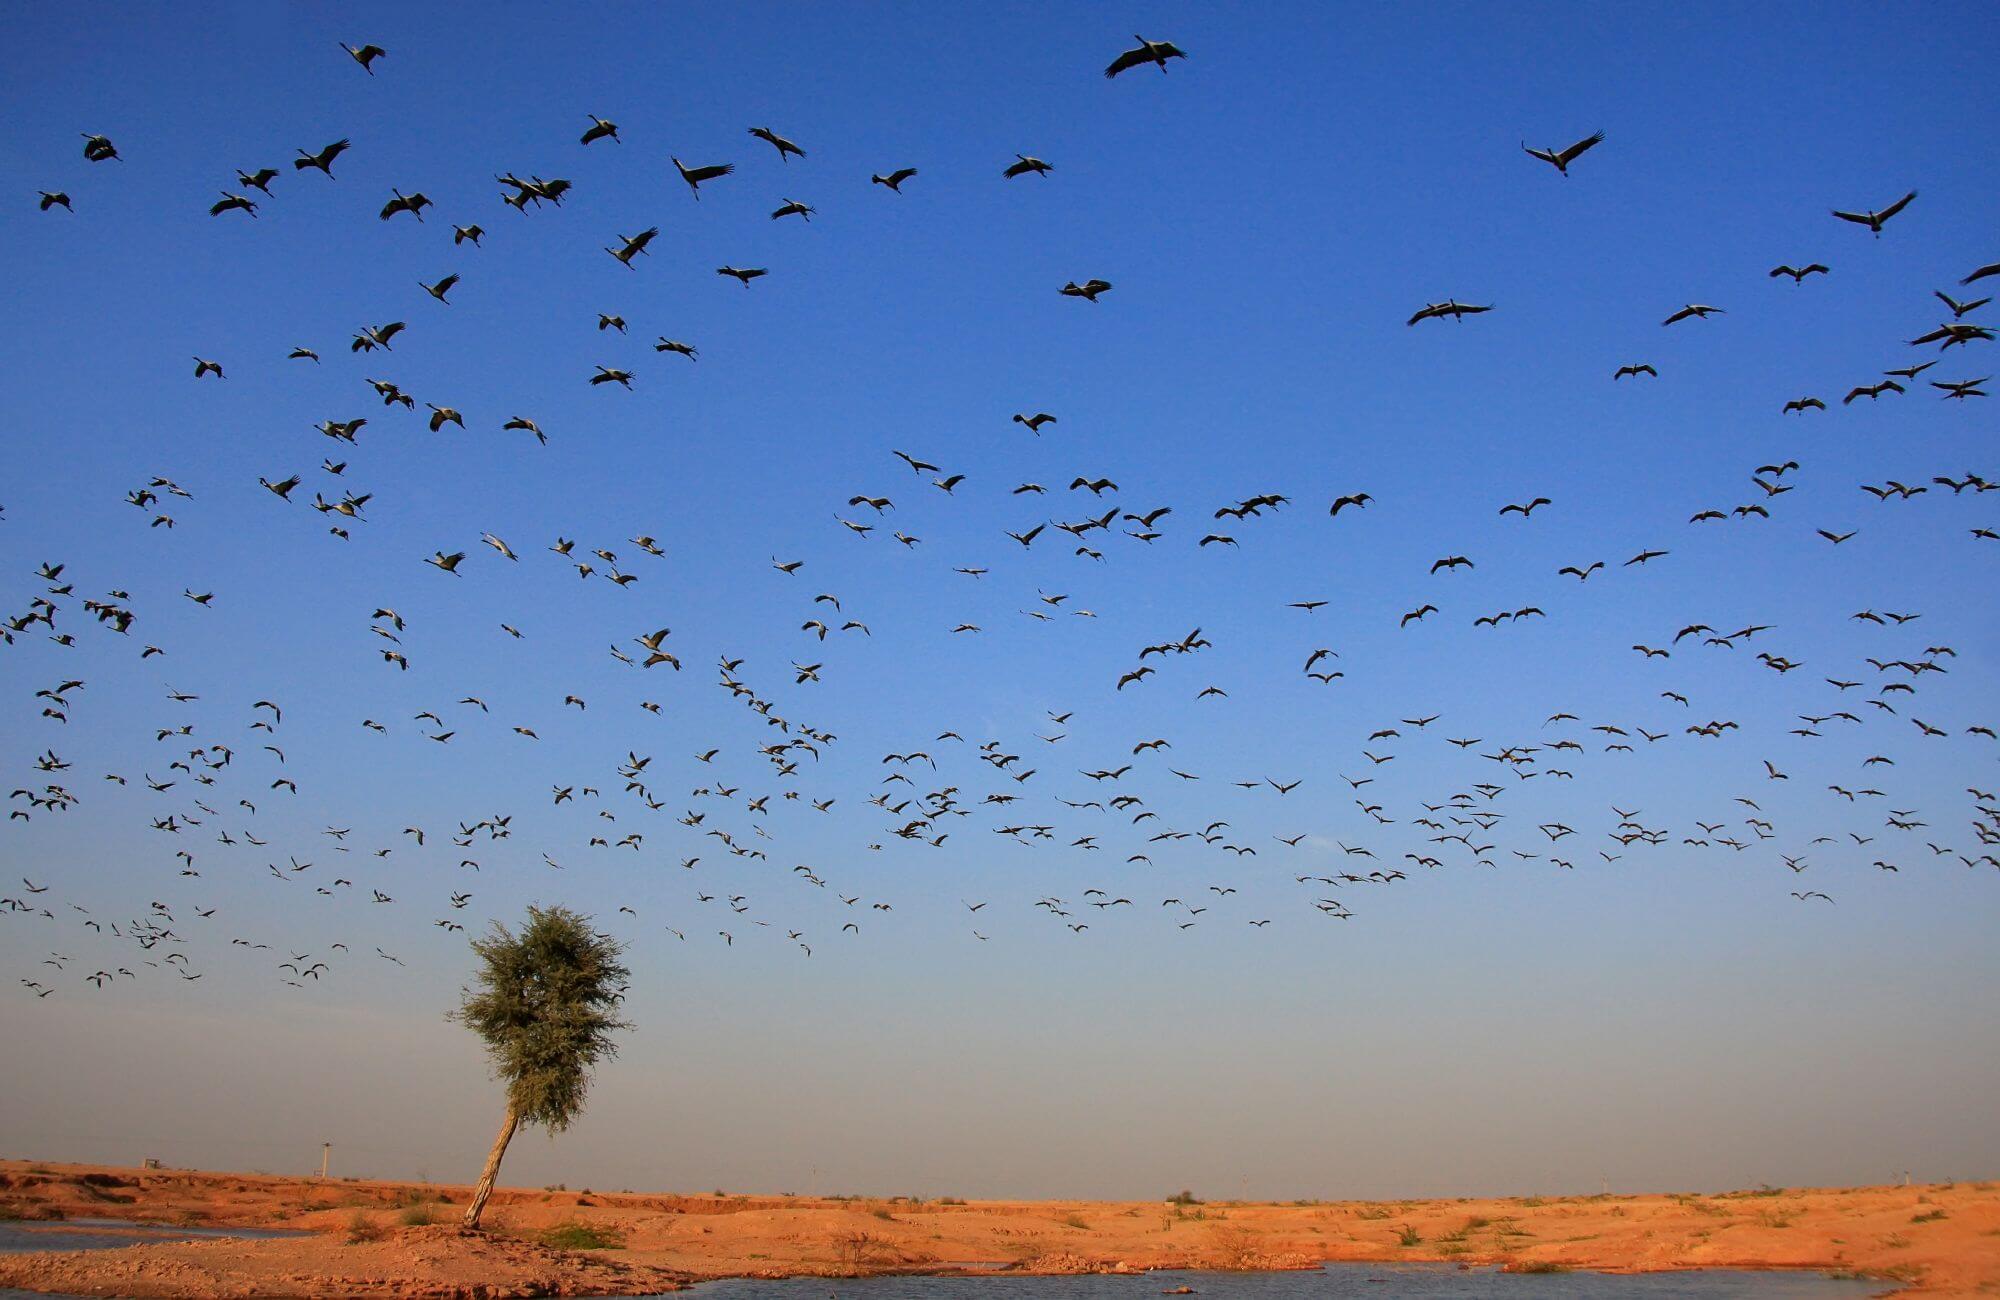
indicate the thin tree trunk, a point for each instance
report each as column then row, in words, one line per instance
column 484, row 1190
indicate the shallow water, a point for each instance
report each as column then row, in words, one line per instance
column 22, row 1236
column 1335, row 1282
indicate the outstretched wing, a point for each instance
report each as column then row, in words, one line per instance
column 1129, row 59
column 1569, row 155
column 1896, row 207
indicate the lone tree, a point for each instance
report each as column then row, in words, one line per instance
column 545, row 1005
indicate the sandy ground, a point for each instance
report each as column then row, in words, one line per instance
column 371, row 1238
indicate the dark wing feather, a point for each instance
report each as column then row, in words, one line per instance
column 1129, row 59
column 1569, row 155
column 1896, row 207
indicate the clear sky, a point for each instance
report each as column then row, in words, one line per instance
column 1269, row 213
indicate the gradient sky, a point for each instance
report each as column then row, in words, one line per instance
column 1270, row 212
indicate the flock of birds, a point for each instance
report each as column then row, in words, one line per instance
column 216, row 767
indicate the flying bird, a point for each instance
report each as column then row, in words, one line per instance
column 1560, row 159
column 1154, row 52
column 1449, row 307
column 365, row 56
column 694, row 176
column 1874, row 220
column 784, row 147
column 1692, row 309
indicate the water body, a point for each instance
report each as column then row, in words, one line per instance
column 19, row 1236
column 1336, row 1282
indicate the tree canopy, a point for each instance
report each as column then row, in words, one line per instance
column 545, row 1003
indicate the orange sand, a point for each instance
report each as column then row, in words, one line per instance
column 1934, row 1240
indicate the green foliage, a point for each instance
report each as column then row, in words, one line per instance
column 1409, row 1237
column 416, row 1216
column 1183, row 1197
column 545, row 1004
column 577, row 1235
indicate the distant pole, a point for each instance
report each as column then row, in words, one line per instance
column 325, row 1156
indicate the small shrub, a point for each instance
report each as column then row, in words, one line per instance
column 577, row 1235
column 883, row 1214
column 1372, row 1212
column 1183, row 1197
column 1540, row 1266
column 1234, row 1248
column 857, row 1251
column 416, row 1216
column 1408, row 1237
column 1073, row 1221
column 1931, row 1216
column 361, row 1227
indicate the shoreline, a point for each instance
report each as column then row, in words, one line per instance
column 368, row 1237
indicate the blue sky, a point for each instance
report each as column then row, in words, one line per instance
column 1269, row 212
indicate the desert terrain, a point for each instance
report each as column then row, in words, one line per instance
column 371, row 1238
